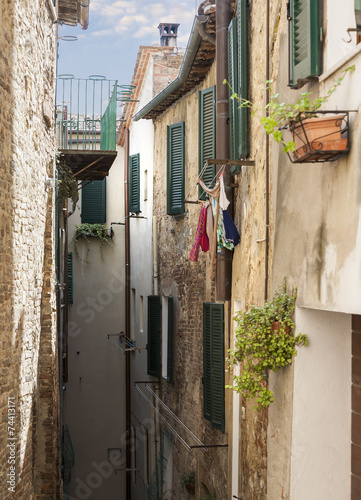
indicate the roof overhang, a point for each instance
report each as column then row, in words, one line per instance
column 89, row 164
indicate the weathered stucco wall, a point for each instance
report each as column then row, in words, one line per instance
column 189, row 285
column 27, row 281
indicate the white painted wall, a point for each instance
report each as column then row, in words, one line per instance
column 321, row 430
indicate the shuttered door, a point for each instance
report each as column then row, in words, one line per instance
column 213, row 358
column 93, row 202
column 134, row 192
column 175, row 169
column 356, row 410
column 170, row 343
column 70, row 278
column 304, row 41
column 153, row 335
column 207, row 134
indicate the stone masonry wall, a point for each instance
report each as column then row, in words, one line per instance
column 189, row 285
column 29, row 451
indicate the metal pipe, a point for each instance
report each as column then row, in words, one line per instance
column 155, row 255
column 127, row 317
column 223, row 18
column 267, row 155
column 202, row 30
column 84, row 14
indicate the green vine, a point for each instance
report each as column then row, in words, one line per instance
column 264, row 341
column 67, row 183
column 86, row 231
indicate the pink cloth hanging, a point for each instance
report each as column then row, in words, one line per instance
column 204, row 240
column 200, row 230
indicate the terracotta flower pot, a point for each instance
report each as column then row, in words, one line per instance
column 316, row 136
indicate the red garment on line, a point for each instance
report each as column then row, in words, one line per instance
column 200, row 230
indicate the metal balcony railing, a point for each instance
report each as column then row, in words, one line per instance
column 86, row 112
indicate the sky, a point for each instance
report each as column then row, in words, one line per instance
column 116, row 29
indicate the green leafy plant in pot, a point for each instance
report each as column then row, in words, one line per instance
column 86, row 231
column 264, row 341
column 281, row 116
column 188, row 481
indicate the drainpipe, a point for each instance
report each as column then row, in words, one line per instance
column 83, row 11
column 127, row 317
column 223, row 18
column 155, row 255
column 267, row 157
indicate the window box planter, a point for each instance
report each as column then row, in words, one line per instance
column 319, row 138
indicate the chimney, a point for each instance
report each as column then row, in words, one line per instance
column 168, row 34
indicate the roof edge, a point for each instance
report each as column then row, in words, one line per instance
column 189, row 57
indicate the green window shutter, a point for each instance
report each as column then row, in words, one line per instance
column 207, row 134
column 242, row 77
column 304, row 28
column 70, row 278
column 134, row 191
column 213, row 364
column 93, row 202
column 153, row 347
column 175, row 169
column 170, row 344
column 358, row 13
column 233, row 82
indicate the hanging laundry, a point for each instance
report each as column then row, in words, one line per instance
column 223, row 200
column 200, row 230
column 204, row 241
column 231, row 231
column 209, row 225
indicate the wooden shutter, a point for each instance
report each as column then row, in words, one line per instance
column 207, row 134
column 242, row 77
column 93, row 202
column 70, row 278
column 170, row 344
column 233, row 82
column 356, row 409
column 213, row 364
column 358, row 13
column 154, row 335
column 304, row 41
column 175, row 169
column 134, row 191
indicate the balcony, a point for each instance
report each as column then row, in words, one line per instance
column 86, row 125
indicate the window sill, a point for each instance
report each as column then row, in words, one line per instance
column 347, row 58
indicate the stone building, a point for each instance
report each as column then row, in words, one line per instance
column 298, row 218
column 30, row 425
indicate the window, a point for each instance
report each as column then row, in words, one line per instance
column 304, row 36
column 70, row 278
column 213, row 364
column 93, row 202
column 207, row 134
column 145, row 185
column 237, row 78
column 153, row 347
column 167, row 338
column 134, row 204
column 175, row 169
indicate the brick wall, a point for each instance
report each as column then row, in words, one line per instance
column 28, row 377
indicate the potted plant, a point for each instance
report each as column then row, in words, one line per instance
column 188, row 481
column 86, row 231
column 314, row 133
column 264, row 341
column 67, row 183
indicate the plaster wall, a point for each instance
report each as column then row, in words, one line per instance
column 321, row 430
column 95, row 391
column 141, row 251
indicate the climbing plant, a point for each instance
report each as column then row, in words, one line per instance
column 67, row 183
column 264, row 341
